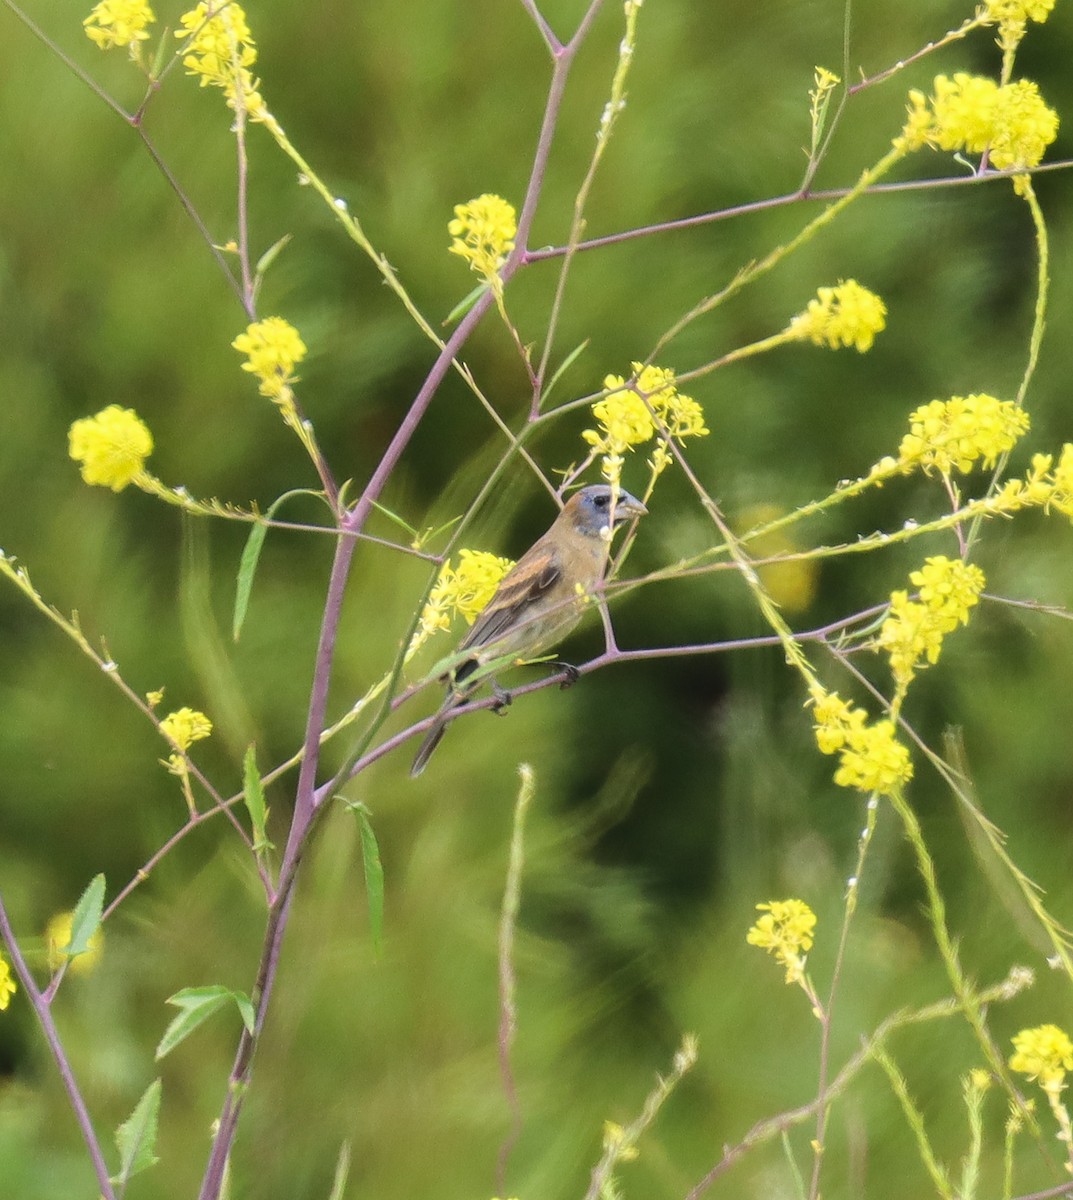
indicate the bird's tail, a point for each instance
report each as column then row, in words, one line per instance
column 432, row 740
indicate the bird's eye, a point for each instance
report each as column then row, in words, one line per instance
column 601, row 501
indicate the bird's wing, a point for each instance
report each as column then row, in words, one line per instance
column 530, row 579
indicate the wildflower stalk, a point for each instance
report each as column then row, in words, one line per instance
column 968, row 999
column 508, row 1013
column 868, row 178
column 939, row 1177
column 43, row 1012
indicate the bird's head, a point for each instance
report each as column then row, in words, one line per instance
column 597, row 511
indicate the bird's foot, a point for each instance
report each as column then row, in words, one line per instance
column 503, row 699
column 570, row 675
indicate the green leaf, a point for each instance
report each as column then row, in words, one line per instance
column 251, row 554
column 374, row 876
column 271, row 254
column 86, row 919
column 247, row 568
column 136, row 1137
column 465, row 304
column 394, row 517
column 198, row 1004
column 254, row 795
column 246, row 1010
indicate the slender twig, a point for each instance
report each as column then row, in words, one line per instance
column 508, row 1009
column 59, row 1055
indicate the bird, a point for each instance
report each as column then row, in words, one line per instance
column 539, row 600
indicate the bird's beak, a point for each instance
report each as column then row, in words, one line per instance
column 627, row 506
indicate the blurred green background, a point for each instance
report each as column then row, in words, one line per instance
column 672, row 796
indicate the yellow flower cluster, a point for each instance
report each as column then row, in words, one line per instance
column 7, row 984
column 219, row 50
column 974, row 113
column 914, row 630
column 482, row 233
column 184, row 727
column 628, row 416
column 844, row 315
column 112, row 447
column 1018, row 10
column 1045, row 486
column 464, row 589
column 273, row 349
column 785, row 931
column 945, row 435
column 871, row 759
column 1044, row 1053
column 58, row 938
column 1012, row 17
column 119, row 23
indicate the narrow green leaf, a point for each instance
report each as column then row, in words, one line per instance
column 87, row 917
column 161, row 56
column 272, row 253
column 254, row 795
column 197, row 1004
column 247, row 568
column 395, row 518
column 136, row 1137
column 374, row 876
column 251, row 554
column 465, row 304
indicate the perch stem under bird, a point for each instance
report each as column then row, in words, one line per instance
column 538, row 602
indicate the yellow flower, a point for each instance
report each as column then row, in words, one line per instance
column 1062, row 495
column 959, row 432
column 184, row 727
column 111, row 446
column 919, row 123
column 836, row 720
column 914, row 630
column 629, row 416
column 1012, row 16
column 1024, row 126
column 845, row 315
column 875, row 761
column 974, row 113
column 482, row 233
column 7, row 984
column 58, row 937
column 1044, row 1053
column 871, row 759
column 119, row 23
column 273, row 349
column 464, row 589
column 219, row 50
column 785, row 931
column 623, row 416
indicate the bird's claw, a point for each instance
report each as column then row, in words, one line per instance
column 503, row 700
column 570, row 676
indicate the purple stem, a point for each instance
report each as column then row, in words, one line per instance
column 307, row 799
column 48, row 1027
